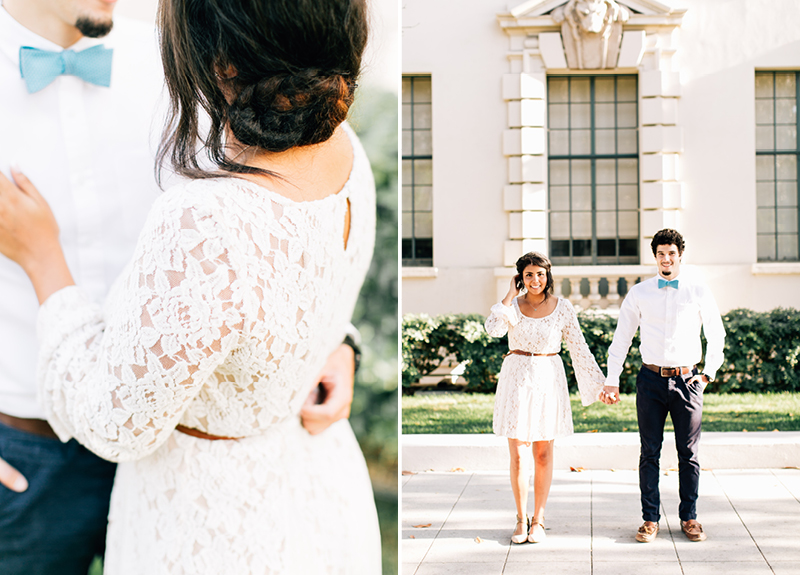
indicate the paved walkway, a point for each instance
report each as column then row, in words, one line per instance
column 752, row 518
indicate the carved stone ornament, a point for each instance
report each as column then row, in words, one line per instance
column 591, row 31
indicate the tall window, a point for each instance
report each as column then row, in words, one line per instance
column 593, row 169
column 777, row 151
column 417, row 172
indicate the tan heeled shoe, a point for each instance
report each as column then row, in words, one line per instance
column 536, row 533
column 522, row 537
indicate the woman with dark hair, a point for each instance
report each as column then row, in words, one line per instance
column 243, row 282
column 532, row 401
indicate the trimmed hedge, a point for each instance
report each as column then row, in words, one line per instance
column 762, row 350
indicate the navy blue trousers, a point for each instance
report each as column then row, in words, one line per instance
column 656, row 397
column 58, row 525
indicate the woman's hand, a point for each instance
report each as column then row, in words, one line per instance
column 29, row 235
column 336, row 380
column 513, row 291
column 609, row 395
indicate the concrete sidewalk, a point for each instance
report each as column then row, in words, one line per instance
column 752, row 518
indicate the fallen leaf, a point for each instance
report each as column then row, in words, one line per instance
column 478, row 540
column 624, row 429
column 593, row 431
column 576, row 469
column 759, row 427
column 422, row 525
column 775, row 430
column 744, row 430
column 455, row 469
column 411, row 537
column 409, row 472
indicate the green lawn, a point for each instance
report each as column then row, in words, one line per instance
column 455, row 412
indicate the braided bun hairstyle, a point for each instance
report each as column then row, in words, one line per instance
column 279, row 73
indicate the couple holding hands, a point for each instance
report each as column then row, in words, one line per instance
column 532, row 404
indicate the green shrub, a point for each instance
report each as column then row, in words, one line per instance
column 762, row 350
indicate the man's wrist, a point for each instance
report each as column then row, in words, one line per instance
column 349, row 340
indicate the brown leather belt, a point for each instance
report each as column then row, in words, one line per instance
column 527, row 353
column 669, row 371
column 201, row 434
column 33, row 426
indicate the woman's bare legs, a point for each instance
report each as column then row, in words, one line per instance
column 543, row 477
column 518, row 450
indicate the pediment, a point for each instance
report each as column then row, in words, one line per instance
column 534, row 8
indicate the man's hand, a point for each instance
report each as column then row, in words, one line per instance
column 610, row 395
column 336, row 379
column 12, row 478
column 699, row 379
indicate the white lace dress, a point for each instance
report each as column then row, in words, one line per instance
column 233, row 301
column 532, row 399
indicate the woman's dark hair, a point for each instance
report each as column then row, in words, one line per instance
column 537, row 259
column 280, row 73
column 667, row 237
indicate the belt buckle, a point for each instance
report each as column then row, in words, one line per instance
column 661, row 371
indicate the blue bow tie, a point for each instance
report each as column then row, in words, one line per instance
column 664, row 283
column 40, row 67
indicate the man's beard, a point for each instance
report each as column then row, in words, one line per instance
column 93, row 28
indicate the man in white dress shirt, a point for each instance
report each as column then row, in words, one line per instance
column 85, row 134
column 670, row 311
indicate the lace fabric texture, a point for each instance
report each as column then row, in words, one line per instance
column 532, row 398
column 233, row 301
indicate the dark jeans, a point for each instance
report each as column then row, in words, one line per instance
column 655, row 397
column 58, row 525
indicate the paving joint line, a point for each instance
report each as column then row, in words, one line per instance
column 784, row 485
column 753, row 539
column 672, row 537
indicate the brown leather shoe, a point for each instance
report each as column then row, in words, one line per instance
column 693, row 530
column 647, row 532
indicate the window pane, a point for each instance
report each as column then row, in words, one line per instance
column 787, row 220
column 423, row 172
column 408, row 177
column 629, row 247
column 605, row 142
column 422, row 116
column 559, row 225
column 765, row 138
column 626, row 116
column 628, row 171
column 765, row 220
column 558, row 90
column 408, row 229
column 581, row 225
column 786, row 165
column 764, row 112
column 766, row 247
column 765, row 194
column 423, row 144
column 786, row 137
column 784, row 85
column 606, row 197
column 423, row 225
column 581, row 172
column 422, row 91
column 559, row 172
column 627, row 142
column 582, row 198
column 559, row 116
column 559, row 198
column 787, row 194
column 786, row 111
column 787, row 247
column 628, row 197
column 764, row 85
column 580, row 116
column 423, row 198
column 607, row 248
column 406, row 90
column 604, row 89
column 604, row 116
column 406, row 116
column 559, row 248
column 580, row 142
column 765, row 167
column 406, row 201
column 407, row 149
column 626, row 89
column 606, row 224
column 559, row 143
column 579, row 90
column 628, row 224
column 606, row 171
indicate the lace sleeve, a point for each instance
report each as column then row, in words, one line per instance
column 501, row 318
column 119, row 384
column 587, row 372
